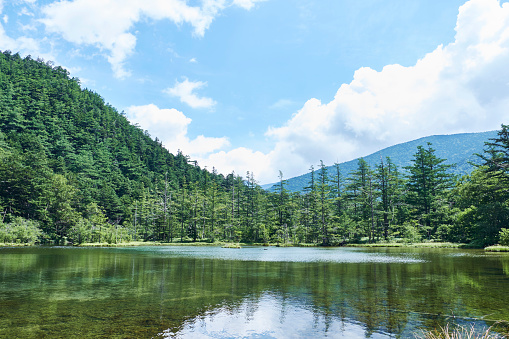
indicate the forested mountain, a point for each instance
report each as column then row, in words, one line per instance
column 457, row 149
column 74, row 170
column 67, row 158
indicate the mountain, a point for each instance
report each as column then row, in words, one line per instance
column 67, row 157
column 457, row 149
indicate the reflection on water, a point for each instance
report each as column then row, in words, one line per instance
column 254, row 292
column 268, row 317
column 292, row 254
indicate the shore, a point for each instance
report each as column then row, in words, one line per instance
column 495, row 248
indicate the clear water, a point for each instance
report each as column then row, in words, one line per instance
column 256, row 292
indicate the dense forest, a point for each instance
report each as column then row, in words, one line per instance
column 74, row 170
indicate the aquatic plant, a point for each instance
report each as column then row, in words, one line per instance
column 459, row 332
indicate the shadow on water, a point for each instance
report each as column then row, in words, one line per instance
column 252, row 292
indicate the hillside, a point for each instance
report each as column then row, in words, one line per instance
column 66, row 156
column 457, row 149
column 74, row 171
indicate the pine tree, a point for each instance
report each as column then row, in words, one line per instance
column 427, row 183
column 389, row 185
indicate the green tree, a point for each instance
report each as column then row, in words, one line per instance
column 389, row 184
column 324, row 202
column 361, row 197
column 428, row 181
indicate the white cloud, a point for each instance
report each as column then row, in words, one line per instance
column 23, row 45
column 106, row 24
column 25, row 11
column 184, row 91
column 247, row 4
column 460, row 87
column 26, row 28
column 240, row 160
column 282, row 103
column 170, row 126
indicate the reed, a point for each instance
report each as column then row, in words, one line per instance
column 459, row 332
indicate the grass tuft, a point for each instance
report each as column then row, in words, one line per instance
column 459, row 332
column 231, row 245
column 497, row 248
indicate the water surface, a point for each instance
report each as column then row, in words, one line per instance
column 254, row 292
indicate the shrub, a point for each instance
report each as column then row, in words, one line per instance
column 20, row 231
column 504, row 237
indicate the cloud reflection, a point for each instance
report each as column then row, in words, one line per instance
column 269, row 316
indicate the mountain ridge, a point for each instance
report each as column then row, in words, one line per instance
column 459, row 149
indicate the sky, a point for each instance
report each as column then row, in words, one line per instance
column 276, row 85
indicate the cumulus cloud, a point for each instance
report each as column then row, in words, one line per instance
column 170, row 126
column 240, row 160
column 22, row 44
column 185, row 92
column 459, row 87
column 107, row 23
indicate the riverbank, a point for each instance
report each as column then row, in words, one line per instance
column 495, row 248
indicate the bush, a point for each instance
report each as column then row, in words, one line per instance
column 116, row 234
column 81, row 232
column 410, row 232
column 21, row 231
column 504, row 237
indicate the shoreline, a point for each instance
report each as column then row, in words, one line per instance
column 495, row 248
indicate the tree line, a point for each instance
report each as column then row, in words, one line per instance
column 74, row 170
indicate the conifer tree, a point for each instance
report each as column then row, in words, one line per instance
column 428, row 180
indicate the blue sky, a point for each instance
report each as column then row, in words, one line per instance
column 269, row 85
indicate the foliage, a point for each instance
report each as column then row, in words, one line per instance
column 20, row 230
column 75, row 169
column 504, row 237
column 427, row 182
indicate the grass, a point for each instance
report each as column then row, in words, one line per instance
column 231, row 245
column 188, row 242
column 14, row 244
column 147, row 243
column 459, row 332
column 497, row 248
column 414, row 245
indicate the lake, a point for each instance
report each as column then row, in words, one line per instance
column 253, row 292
